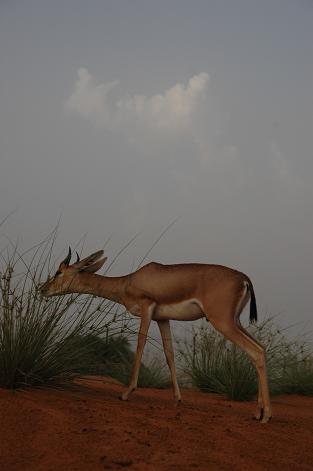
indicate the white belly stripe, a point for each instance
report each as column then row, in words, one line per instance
column 188, row 310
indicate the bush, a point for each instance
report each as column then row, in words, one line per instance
column 38, row 336
column 106, row 356
column 45, row 341
column 112, row 356
column 289, row 360
column 152, row 376
column 216, row 365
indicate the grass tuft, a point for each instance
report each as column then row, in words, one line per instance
column 112, row 356
column 37, row 335
column 216, row 365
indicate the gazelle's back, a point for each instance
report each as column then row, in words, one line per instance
column 168, row 282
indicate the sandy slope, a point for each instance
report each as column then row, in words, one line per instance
column 89, row 428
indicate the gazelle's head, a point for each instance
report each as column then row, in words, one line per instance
column 67, row 277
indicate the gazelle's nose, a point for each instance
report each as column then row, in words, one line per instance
column 43, row 287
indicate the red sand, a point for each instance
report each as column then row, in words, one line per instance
column 89, row 428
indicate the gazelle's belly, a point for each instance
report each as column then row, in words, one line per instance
column 188, row 310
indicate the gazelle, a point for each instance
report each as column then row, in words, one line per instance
column 182, row 292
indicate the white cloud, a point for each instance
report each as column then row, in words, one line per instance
column 181, row 122
column 106, row 105
column 89, row 100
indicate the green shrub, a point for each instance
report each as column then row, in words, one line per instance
column 297, row 378
column 151, row 375
column 106, row 356
column 289, row 360
column 113, row 356
column 216, row 365
column 50, row 341
column 37, row 335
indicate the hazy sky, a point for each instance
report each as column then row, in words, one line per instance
column 123, row 115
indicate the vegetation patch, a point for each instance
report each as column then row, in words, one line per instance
column 50, row 341
column 216, row 365
column 38, row 336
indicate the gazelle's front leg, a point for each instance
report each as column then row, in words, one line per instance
column 165, row 331
column 146, row 316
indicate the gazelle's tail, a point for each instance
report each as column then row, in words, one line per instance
column 253, row 308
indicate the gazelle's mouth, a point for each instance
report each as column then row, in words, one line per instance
column 44, row 289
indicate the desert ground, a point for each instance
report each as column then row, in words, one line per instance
column 87, row 427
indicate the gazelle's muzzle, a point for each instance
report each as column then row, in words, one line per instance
column 44, row 288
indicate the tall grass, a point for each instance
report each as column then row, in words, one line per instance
column 216, row 365
column 152, row 375
column 37, row 335
column 51, row 340
column 113, row 356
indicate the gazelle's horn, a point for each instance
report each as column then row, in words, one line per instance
column 67, row 260
column 78, row 259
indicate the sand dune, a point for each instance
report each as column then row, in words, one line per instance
column 89, row 428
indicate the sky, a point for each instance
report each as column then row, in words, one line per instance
column 123, row 116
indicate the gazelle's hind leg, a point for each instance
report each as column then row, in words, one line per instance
column 259, row 410
column 263, row 390
column 241, row 305
column 225, row 320
column 257, row 355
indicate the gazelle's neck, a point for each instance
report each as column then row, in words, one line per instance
column 111, row 288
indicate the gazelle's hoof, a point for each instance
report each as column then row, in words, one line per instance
column 265, row 419
column 262, row 417
column 123, row 397
column 259, row 414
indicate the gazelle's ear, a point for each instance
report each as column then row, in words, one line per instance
column 95, row 266
column 91, row 263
